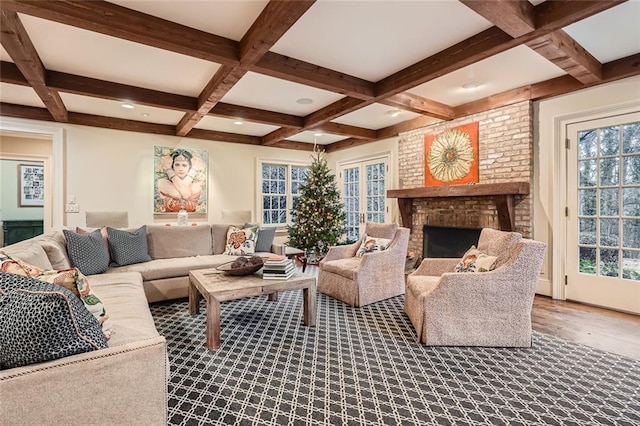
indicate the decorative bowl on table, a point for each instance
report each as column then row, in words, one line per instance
column 242, row 266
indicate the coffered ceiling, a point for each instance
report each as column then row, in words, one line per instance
column 293, row 73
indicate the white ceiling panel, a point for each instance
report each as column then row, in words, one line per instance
column 20, row 95
column 108, row 108
column 227, row 125
column 508, row 70
column 309, row 136
column 375, row 116
column 264, row 92
column 107, row 58
column 612, row 34
column 230, row 19
column 373, row 39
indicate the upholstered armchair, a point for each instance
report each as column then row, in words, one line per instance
column 371, row 277
column 491, row 308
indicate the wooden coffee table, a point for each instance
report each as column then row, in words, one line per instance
column 217, row 287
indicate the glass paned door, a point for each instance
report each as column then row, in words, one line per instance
column 363, row 186
column 603, row 193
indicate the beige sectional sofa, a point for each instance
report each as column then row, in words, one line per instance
column 127, row 382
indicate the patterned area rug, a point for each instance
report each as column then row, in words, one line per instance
column 364, row 366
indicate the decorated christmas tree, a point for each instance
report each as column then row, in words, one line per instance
column 317, row 217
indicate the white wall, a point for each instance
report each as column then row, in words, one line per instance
column 110, row 170
column 549, row 116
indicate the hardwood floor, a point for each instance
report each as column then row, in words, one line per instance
column 600, row 328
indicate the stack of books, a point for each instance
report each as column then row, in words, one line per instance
column 278, row 268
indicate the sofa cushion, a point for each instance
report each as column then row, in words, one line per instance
column 241, row 241
column 347, row 267
column 57, row 254
column 179, row 241
column 128, row 307
column 219, row 236
column 169, row 268
column 28, row 251
column 265, row 238
column 128, row 247
column 55, row 245
column 87, row 252
column 43, row 321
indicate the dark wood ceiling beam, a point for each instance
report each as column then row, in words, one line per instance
column 222, row 81
column 554, row 15
column 355, row 132
column 514, row 17
column 298, row 146
column 419, row 105
column 226, row 110
column 344, row 144
column 86, row 86
column 117, row 21
column 274, row 20
column 561, row 49
column 549, row 16
column 9, row 73
column 313, row 120
column 17, row 43
column 494, row 101
column 611, row 71
column 290, row 69
column 22, row 111
column 405, row 126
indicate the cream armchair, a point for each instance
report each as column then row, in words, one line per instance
column 376, row 276
column 482, row 308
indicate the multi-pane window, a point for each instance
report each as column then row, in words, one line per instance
column 609, row 201
column 280, row 190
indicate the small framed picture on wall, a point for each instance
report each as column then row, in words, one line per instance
column 30, row 185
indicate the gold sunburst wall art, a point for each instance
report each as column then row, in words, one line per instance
column 451, row 157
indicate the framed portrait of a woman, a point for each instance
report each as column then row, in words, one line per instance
column 180, row 180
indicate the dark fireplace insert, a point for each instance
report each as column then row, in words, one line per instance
column 448, row 241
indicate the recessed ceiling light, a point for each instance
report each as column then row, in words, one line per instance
column 305, row 101
column 144, row 114
column 394, row 112
column 471, row 86
column 238, row 122
column 127, row 106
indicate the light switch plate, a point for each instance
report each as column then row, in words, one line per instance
column 72, row 208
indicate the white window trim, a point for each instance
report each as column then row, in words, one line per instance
column 258, row 185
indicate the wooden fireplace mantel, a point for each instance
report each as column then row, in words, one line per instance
column 502, row 193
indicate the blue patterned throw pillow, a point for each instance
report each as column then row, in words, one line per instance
column 128, row 247
column 87, row 252
column 42, row 321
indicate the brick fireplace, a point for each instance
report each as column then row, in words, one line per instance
column 505, row 157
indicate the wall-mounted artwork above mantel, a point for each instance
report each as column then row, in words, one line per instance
column 451, row 157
